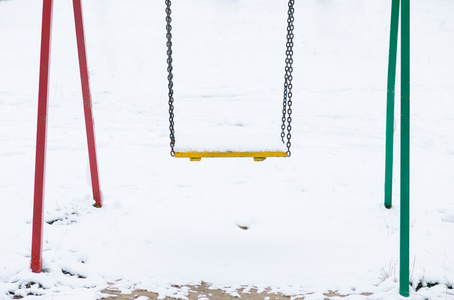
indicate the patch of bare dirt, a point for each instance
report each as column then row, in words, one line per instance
column 203, row 292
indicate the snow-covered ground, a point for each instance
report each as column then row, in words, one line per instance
column 316, row 220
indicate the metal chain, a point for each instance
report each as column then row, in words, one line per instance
column 170, row 76
column 287, row 102
column 284, row 107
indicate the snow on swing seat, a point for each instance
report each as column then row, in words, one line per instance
column 256, row 146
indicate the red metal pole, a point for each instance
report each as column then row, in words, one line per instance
column 37, row 234
column 84, row 78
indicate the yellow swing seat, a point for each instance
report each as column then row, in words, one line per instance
column 258, row 156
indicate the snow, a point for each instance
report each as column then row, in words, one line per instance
column 316, row 221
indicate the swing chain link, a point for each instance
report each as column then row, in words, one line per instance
column 170, row 76
column 287, row 102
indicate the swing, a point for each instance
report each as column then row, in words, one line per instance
column 287, row 101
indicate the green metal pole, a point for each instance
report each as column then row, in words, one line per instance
column 390, row 102
column 405, row 153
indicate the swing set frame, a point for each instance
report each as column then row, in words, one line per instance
column 404, row 12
